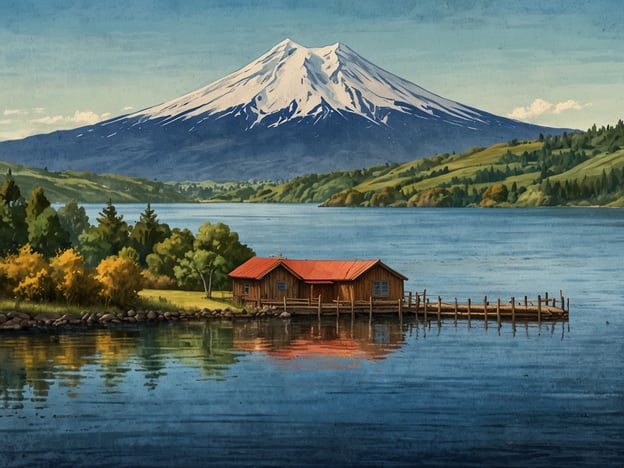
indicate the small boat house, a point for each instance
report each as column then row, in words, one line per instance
column 265, row 280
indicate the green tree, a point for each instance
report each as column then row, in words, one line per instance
column 147, row 232
column 13, row 227
column 106, row 239
column 112, row 228
column 37, row 202
column 9, row 192
column 74, row 220
column 198, row 267
column 129, row 253
column 216, row 251
column 45, row 233
column 92, row 247
column 165, row 254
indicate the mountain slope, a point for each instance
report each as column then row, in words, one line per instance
column 294, row 110
column 87, row 187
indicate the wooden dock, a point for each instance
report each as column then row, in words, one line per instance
column 540, row 309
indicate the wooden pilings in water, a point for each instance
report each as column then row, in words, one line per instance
column 543, row 308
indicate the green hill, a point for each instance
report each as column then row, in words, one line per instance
column 87, row 187
column 576, row 169
column 568, row 170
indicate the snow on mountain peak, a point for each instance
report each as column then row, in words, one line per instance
column 293, row 82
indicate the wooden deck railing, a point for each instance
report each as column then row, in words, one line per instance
column 541, row 308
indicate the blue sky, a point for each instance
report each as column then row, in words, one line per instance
column 65, row 64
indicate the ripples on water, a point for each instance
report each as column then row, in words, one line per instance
column 274, row 393
column 293, row 392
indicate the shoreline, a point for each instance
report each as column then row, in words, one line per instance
column 12, row 320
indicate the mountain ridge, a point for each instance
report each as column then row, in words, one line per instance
column 292, row 111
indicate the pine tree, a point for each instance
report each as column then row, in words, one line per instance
column 112, row 228
column 147, row 232
column 74, row 220
column 45, row 233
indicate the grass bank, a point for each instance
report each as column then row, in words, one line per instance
column 150, row 299
column 185, row 300
column 34, row 308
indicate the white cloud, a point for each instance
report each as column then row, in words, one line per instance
column 540, row 107
column 15, row 112
column 567, row 105
column 50, row 120
column 88, row 117
column 5, row 122
column 127, row 108
column 38, row 110
column 79, row 117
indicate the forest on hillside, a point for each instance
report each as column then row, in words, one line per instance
column 573, row 169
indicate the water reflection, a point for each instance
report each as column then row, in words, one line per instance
column 328, row 343
column 113, row 360
column 34, row 362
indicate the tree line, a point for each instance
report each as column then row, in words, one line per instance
column 50, row 255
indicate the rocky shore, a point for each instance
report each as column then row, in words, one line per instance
column 16, row 320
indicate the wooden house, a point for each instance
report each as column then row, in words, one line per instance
column 263, row 280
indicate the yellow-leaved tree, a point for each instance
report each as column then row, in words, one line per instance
column 73, row 281
column 120, row 281
column 26, row 275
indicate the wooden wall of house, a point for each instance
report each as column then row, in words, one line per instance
column 268, row 284
column 312, row 292
column 238, row 290
column 359, row 290
column 363, row 286
column 345, row 290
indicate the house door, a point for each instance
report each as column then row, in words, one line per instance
column 326, row 291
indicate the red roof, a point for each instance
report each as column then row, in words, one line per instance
column 314, row 271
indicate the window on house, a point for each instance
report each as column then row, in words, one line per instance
column 380, row 289
column 281, row 285
column 246, row 287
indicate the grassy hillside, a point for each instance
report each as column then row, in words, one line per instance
column 88, row 187
column 310, row 188
column 572, row 169
column 568, row 170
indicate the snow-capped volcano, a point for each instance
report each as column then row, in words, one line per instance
column 292, row 111
column 296, row 82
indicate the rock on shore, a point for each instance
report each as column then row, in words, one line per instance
column 17, row 320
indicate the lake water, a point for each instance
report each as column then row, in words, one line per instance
column 296, row 392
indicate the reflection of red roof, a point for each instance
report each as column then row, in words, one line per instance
column 302, row 348
column 317, row 271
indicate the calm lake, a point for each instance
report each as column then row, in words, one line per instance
column 298, row 392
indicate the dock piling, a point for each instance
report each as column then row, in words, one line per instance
column 319, row 308
column 439, row 310
column 425, row 305
column 417, row 305
column 485, row 311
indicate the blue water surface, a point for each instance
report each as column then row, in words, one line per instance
column 348, row 393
